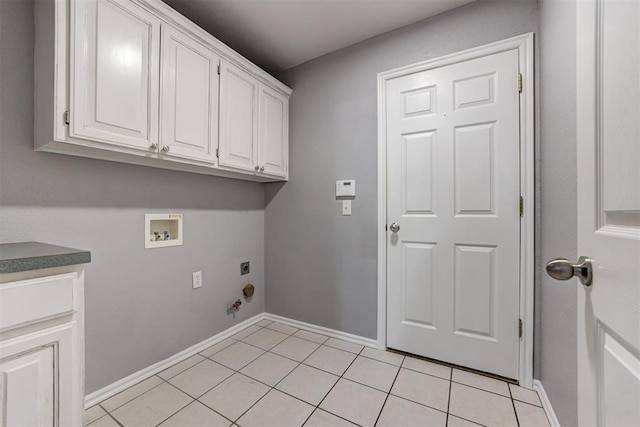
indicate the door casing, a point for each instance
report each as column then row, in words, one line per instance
column 524, row 45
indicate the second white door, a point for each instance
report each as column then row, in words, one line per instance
column 453, row 190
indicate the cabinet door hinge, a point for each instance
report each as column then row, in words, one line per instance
column 519, row 328
column 66, row 117
column 519, row 82
column 217, row 152
column 521, row 206
column 218, row 69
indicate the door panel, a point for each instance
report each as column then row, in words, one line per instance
column 418, row 283
column 189, row 97
column 418, row 183
column 453, row 186
column 238, row 118
column 608, row 130
column 115, row 69
column 475, row 284
column 474, row 169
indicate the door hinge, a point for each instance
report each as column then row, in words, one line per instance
column 66, row 117
column 519, row 328
column 218, row 69
column 217, row 152
column 519, row 82
column 521, row 206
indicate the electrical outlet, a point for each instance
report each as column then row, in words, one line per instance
column 245, row 268
column 197, row 279
column 346, row 207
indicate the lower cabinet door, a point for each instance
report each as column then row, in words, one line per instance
column 40, row 379
column 27, row 383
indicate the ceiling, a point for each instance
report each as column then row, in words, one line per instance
column 279, row 34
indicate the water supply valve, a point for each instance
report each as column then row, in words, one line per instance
column 235, row 306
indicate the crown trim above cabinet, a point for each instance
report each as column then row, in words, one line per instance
column 133, row 81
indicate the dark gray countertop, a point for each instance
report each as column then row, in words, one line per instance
column 25, row 256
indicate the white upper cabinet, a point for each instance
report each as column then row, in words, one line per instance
column 134, row 81
column 115, row 73
column 254, row 124
column 273, row 132
column 238, row 118
column 189, row 98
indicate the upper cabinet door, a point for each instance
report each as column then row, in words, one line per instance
column 274, row 132
column 189, row 98
column 115, row 73
column 238, row 118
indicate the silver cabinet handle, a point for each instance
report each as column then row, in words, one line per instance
column 153, row 146
column 257, row 167
column 562, row 269
column 394, row 227
column 166, row 148
column 262, row 169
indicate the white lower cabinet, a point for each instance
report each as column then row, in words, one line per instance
column 41, row 353
column 133, row 81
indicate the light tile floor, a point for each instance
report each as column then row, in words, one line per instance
column 274, row 375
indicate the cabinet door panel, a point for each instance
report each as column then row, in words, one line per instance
column 27, row 389
column 189, row 99
column 115, row 73
column 238, row 118
column 273, row 127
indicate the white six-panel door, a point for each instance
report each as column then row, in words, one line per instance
column 115, row 73
column 608, row 124
column 238, row 118
column 453, row 188
column 189, row 98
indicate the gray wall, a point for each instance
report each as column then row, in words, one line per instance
column 557, row 358
column 321, row 267
column 140, row 307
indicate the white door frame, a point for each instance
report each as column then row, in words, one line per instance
column 524, row 45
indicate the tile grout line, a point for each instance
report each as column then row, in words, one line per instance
column 334, row 385
column 513, row 405
column 133, row 398
column 114, row 419
column 389, row 393
column 184, row 392
column 449, row 399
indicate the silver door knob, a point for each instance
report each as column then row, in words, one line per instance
column 562, row 269
column 394, row 227
column 261, row 168
column 153, row 146
column 166, row 148
column 257, row 167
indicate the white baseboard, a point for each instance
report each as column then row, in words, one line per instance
column 115, row 388
column 368, row 342
column 120, row 385
column 546, row 404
